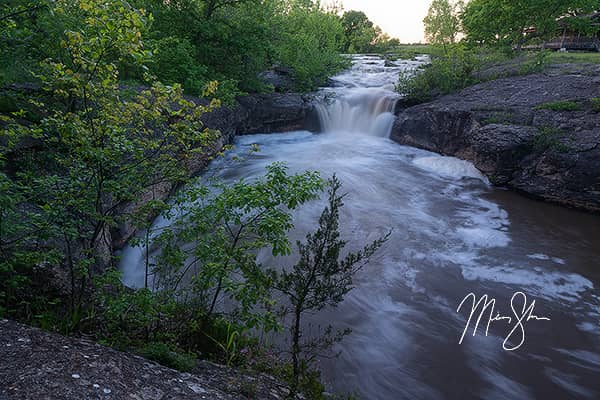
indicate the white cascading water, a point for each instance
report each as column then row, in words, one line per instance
column 363, row 99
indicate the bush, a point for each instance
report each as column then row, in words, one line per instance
column 549, row 138
column 174, row 61
column 447, row 74
column 595, row 104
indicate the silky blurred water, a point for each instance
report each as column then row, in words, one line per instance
column 452, row 234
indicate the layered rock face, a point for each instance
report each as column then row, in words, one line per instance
column 515, row 132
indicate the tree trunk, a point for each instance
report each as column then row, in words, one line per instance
column 296, row 350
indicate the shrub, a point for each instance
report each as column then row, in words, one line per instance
column 549, row 137
column 447, row 74
column 560, row 106
column 174, row 61
column 534, row 64
column 169, row 356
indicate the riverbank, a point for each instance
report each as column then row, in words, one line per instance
column 53, row 282
column 37, row 364
column 537, row 134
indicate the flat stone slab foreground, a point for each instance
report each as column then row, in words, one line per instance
column 40, row 365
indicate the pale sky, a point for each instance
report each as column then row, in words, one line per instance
column 402, row 19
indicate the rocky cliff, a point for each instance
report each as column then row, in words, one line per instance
column 538, row 134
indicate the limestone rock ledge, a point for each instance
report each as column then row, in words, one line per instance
column 36, row 365
column 506, row 129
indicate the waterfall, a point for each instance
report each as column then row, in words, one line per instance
column 365, row 111
column 363, row 96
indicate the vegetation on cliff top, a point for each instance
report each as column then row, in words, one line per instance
column 492, row 33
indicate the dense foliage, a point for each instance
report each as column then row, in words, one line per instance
column 194, row 42
column 516, row 22
column 492, row 32
column 447, row 73
column 362, row 36
column 100, row 148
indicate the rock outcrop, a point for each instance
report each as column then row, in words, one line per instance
column 39, row 365
column 275, row 112
column 280, row 78
column 513, row 130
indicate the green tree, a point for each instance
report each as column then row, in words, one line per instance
column 320, row 278
column 101, row 148
column 310, row 42
column 508, row 22
column 358, row 29
column 442, row 23
column 362, row 36
column 209, row 252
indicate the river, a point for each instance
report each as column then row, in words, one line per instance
column 453, row 234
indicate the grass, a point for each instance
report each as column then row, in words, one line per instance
column 560, row 106
column 500, row 118
column 172, row 358
column 549, row 137
column 557, row 57
column 595, row 104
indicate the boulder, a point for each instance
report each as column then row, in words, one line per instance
column 276, row 112
column 279, row 77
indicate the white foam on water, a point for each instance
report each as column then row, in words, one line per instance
column 449, row 167
column 363, row 99
column 551, row 285
column 544, row 257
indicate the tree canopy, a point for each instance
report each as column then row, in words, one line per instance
column 442, row 23
column 362, row 36
column 514, row 22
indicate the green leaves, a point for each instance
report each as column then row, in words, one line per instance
column 98, row 151
column 514, row 22
column 320, row 278
column 209, row 252
column 442, row 22
column 310, row 43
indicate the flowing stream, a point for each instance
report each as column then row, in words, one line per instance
column 453, row 234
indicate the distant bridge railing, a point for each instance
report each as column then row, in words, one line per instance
column 581, row 44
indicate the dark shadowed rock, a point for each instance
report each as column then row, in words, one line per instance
column 500, row 127
column 39, row 365
column 279, row 77
column 276, row 112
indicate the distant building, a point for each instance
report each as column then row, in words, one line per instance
column 570, row 39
